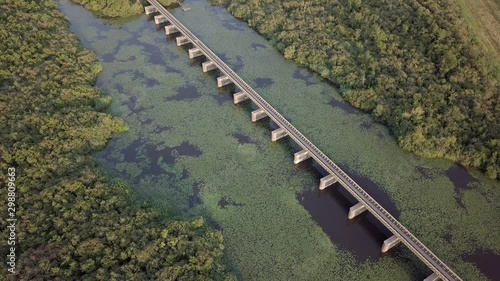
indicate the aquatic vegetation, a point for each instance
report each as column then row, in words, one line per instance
column 267, row 232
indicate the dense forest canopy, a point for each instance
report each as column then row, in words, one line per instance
column 72, row 223
column 118, row 8
column 412, row 64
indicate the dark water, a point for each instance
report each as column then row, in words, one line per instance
column 242, row 139
column 235, row 65
column 134, row 106
column 195, row 199
column 364, row 234
column 140, row 150
column 488, row 263
column 264, row 82
column 304, row 75
column 256, row 46
column 367, row 125
column 426, row 172
column 344, row 106
column 223, row 99
column 224, row 203
column 462, row 180
column 185, row 93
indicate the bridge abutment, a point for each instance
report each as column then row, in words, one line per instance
column 390, row 242
column 223, row 81
column 258, row 114
column 301, row 156
column 208, row 66
column 171, row 29
column 240, row 97
column 356, row 210
column 150, row 10
column 325, row 182
column 195, row 52
column 278, row 134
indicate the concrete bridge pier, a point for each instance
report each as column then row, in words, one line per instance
column 301, row 156
column 150, row 10
column 195, row 52
column 389, row 243
column 356, row 210
column 278, row 134
column 325, row 182
column 240, row 97
column 181, row 40
column 208, row 66
column 432, row 277
column 159, row 19
column 258, row 114
column 223, row 81
column 171, row 29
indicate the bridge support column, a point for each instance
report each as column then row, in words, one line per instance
column 223, row 81
column 389, row 243
column 208, row 65
column 325, row 182
column 258, row 114
column 150, row 10
column 159, row 19
column 356, row 210
column 278, row 134
column 432, row 277
column 301, row 156
column 171, row 29
column 195, row 52
column 240, row 97
column 181, row 40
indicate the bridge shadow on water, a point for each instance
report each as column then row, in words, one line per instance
column 363, row 236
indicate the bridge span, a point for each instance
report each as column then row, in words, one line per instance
column 366, row 202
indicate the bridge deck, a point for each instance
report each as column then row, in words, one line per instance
column 419, row 249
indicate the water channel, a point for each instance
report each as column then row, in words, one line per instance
column 191, row 152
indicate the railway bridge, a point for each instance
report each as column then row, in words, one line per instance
column 309, row 150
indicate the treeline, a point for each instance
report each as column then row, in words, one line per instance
column 412, row 64
column 71, row 223
column 119, row 8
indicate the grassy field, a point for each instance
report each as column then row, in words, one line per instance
column 483, row 20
